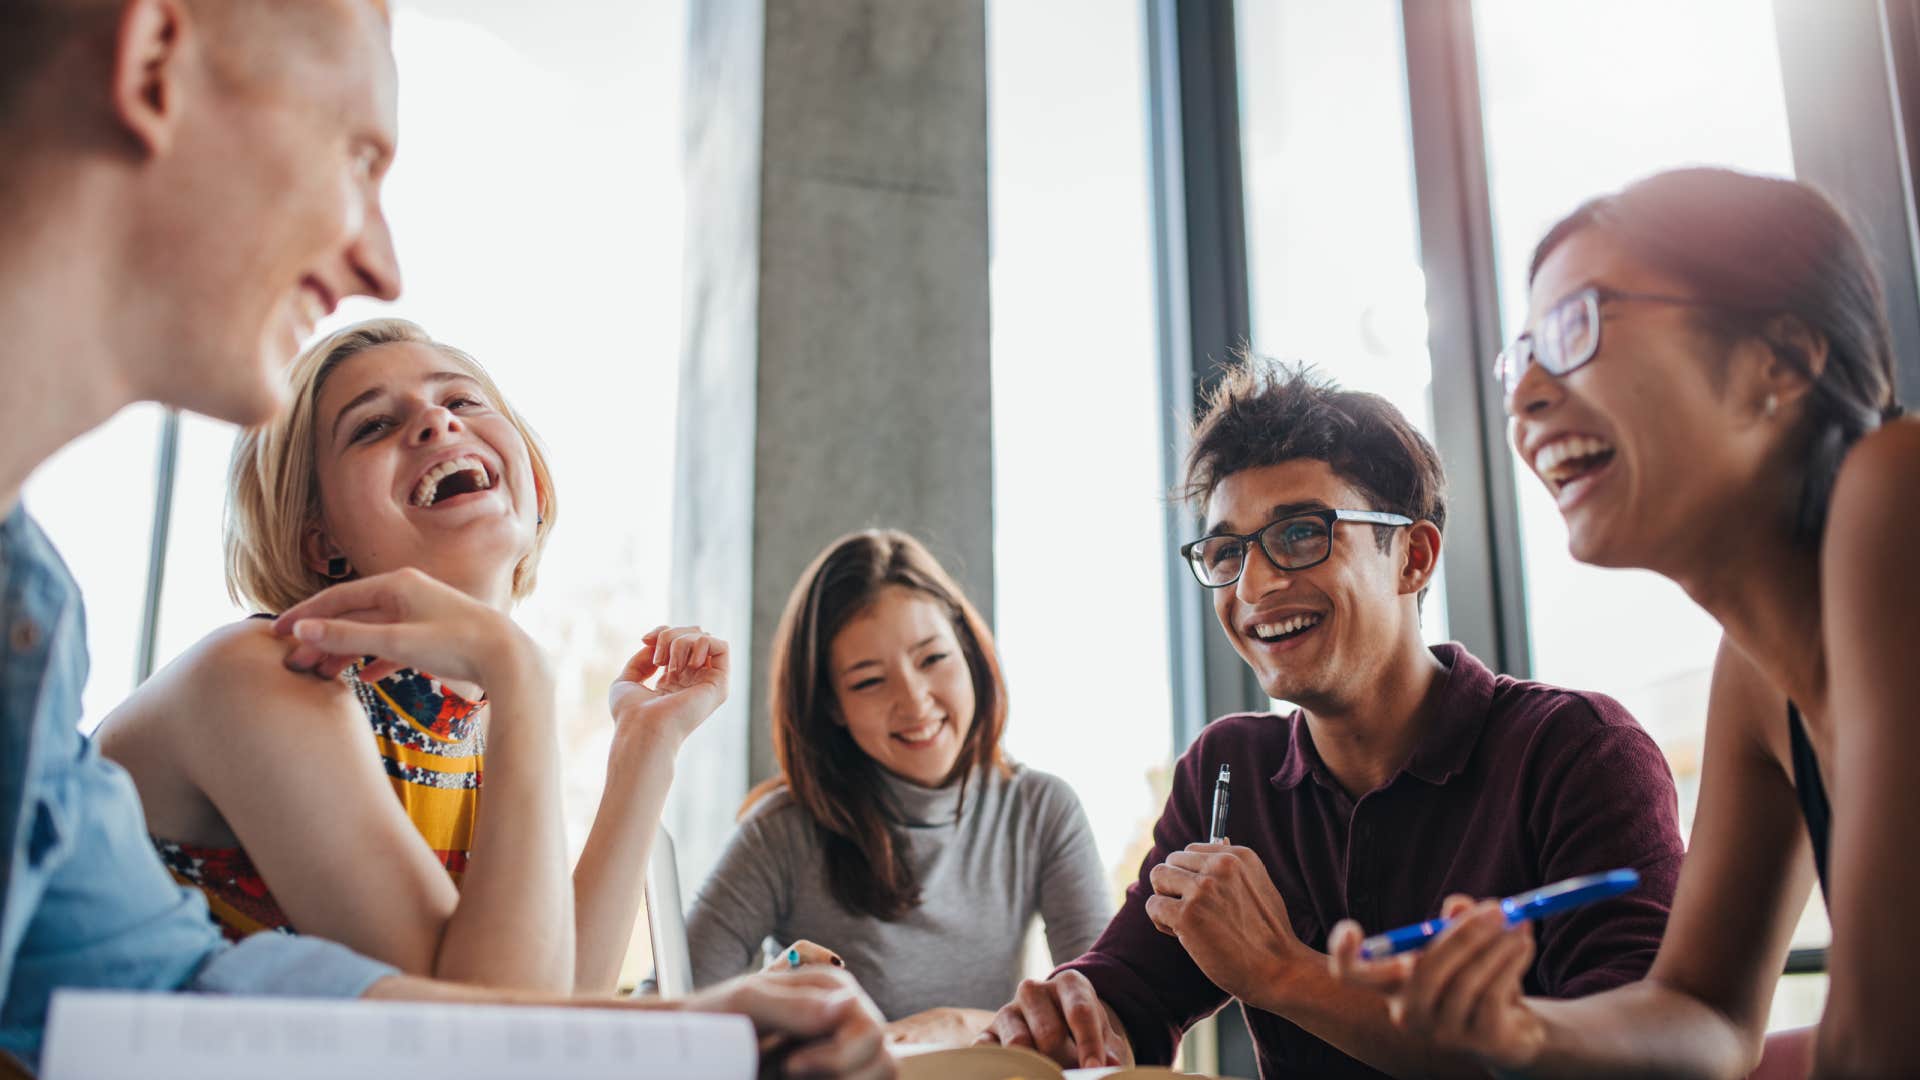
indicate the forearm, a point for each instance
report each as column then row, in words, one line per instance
column 610, row 878
column 1354, row 1021
column 1645, row 1028
column 513, row 925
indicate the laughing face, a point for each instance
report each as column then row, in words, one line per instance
column 903, row 685
column 1642, row 448
column 1311, row 636
column 418, row 467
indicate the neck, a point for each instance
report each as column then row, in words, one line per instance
column 58, row 375
column 1365, row 739
column 1764, row 591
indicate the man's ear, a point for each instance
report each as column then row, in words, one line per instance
column 150, row 45
column 1422, row 557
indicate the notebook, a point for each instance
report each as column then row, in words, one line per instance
column 113, row 1036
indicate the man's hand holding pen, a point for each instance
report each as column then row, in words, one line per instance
column 1221, row 904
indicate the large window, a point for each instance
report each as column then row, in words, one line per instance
column 1651, row 86
column 1080, row 598
column 1333, row 252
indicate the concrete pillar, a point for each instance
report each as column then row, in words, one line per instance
column 835, row 368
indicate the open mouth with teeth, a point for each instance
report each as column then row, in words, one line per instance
column 1567, row 461
column 922, row 736
column 451, row 479
column 1278, row 630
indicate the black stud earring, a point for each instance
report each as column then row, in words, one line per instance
column 337, row 567
column 539, row 520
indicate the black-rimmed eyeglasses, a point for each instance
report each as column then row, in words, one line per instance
column 1568, row 335
column 1294, row 542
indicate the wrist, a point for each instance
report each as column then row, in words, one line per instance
column 516, row 665
column 641, row 741
column 1291, row 973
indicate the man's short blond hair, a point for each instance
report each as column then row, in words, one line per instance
column 273, row 486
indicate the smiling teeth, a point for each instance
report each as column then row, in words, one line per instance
column 1269, row 631
column 921, row 733
column 429, row 485
column 1555, row 454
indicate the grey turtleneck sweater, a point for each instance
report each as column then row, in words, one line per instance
column 1019, row 847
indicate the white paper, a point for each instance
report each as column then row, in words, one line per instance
column 102, row 1036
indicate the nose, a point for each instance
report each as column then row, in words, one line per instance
column 1259, row 576
column 372, row 260
column 1534, row 393
column 435, row 423
column 915, row 698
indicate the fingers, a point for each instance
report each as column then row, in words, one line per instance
column 808, row 953
column 640, row 666
column 375, row 670
column 1387, row 976
column 1045, row 1026
column 392, row 594
column 341, row 641
column 854, row 1046
column 1461, row 948
column 1480, row 985
column 1086, row 1018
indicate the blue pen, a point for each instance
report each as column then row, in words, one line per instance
column 1546, row 900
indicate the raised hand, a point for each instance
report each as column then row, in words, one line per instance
column 1463, row 990
column 692, row 668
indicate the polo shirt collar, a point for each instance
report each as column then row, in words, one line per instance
column 1464, row 698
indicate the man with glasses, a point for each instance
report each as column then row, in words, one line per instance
column 1404, row 774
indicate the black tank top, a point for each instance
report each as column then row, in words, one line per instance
column 1811, row 792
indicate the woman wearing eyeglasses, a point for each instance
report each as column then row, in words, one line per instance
column 897, row 840
column 1706, row 388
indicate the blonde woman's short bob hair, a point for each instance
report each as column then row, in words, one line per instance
column 273, row 486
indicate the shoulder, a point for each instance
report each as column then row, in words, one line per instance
column 1051, row 796
column 776, row 814
column 1873, row 508
column 1559, row 724
column 233, row 683
column 1886, row 461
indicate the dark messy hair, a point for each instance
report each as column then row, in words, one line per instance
column 834, row 781
column 1755, row 248
column 1262, row 413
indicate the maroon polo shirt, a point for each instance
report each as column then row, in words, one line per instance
column 1517, row 785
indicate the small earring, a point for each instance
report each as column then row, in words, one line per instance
column 539, row 520
column 1770, row 406
column 337, row 567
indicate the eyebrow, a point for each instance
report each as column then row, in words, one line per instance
column 373, row 392
column 1279, row 511
column 915, row 647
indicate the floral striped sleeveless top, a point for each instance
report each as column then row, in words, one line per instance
column 429, row 740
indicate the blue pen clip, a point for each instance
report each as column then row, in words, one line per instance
column 1539, row 903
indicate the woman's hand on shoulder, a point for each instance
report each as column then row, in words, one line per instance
column 689, row 670
column 405, row 618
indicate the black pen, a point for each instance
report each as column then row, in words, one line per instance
column 1218, row 834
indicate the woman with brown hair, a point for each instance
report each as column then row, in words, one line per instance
column 897, row 835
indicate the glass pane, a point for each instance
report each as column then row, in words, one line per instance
column 1074, row 355
column 1333, row 245
column 1564, row 124
column 95, row 500
column 551, row 251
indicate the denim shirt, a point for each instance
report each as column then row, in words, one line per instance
column 84, row 900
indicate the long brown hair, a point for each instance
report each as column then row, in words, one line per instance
column 838, row 786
